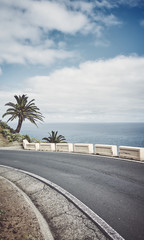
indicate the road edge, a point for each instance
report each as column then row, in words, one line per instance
column 45, row 230
column 102, row 225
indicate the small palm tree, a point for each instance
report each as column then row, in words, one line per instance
column 55, row 138
column 23, row 110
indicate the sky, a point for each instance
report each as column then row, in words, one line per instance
column 82, row 61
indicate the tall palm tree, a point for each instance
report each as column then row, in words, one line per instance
column 55, row 138
column 23, row 110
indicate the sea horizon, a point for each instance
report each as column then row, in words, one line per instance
column 113, row 133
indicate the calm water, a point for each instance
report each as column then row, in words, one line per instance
column 127, row 134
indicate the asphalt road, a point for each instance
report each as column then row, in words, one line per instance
column 112, row 188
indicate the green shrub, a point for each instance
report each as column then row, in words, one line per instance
column 5, row 132
column 17, row 137
column 11, row 136
column 6, row 126
column 35, row 140
column 27, row 137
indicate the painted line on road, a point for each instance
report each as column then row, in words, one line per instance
column 103, row 226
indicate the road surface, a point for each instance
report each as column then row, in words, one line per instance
column 112, row 188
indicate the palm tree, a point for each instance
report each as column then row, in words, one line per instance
column 55, row 138
column 23, row 110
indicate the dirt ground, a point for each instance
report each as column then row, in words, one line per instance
column 17, row 220
column 3, row 141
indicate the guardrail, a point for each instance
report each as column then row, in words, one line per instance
column 50, row 147
column 30, row 146
column 136, row 153
column 64, row 147
column 83, row 148
column 106, row 150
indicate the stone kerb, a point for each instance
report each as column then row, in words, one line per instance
column 65, row 215
column 136, row 153
column 83, row 148
column 30, row 146
column 64, row 147
column 50, row 147
column 106, row 150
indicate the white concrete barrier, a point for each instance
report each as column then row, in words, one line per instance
column 25, row 142
column 30, row 146
column 136, row 153
column 50, row 147
column 106, row 150
column 83, row 148
column 64, row 147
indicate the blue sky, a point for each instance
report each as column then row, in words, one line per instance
column 82, row 61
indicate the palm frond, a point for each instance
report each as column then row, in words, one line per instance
column 55, row 138
column 24, row 110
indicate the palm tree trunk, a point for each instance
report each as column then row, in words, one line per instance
column 19, row 125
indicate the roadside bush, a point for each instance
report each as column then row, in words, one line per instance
column 6, row 132
column 35, row 140
column 17, row 137
column 6, row 126
column 27, row 137
column 11, row 136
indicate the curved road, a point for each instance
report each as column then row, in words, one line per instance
column 112, row 188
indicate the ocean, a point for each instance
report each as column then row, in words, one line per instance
column 120, row 134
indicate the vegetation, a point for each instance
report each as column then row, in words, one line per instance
column 23, row 110
column 55, row 138
column 11, row 136
column 4, row 125
column 35, row 140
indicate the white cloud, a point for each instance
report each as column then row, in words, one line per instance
column 105, row 4
column 0, row 71
column 23, row 54
column 51, row 15
column 86, row 7
column 108, row 20
column 61, row 45
column 116, row 3
column 131, row 3
column 26, row 28
column 101, row 90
